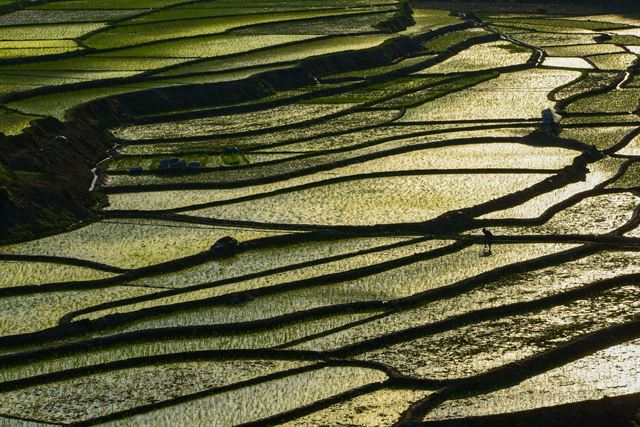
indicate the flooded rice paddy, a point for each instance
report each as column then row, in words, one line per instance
column 356, row 181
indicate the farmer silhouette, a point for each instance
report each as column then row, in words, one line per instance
column 488, row 240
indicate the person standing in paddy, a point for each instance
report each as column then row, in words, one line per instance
column 488, row 240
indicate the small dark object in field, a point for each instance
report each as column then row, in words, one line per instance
column 231, row 150
column 227, row 246
column 549, row 120
column 136, row 170
column 601, row 38
column 455, row 219
column 176, row 163
column 488, row 240
column 172, row 165
column 193, row 166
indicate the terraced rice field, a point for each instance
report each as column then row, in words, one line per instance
column 354, row 149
